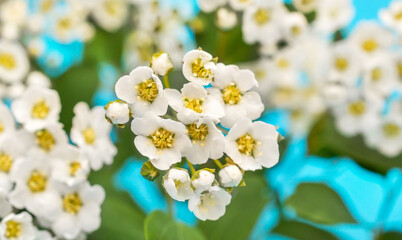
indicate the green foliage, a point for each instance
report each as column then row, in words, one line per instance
column 318, row 203
column 302, row 231
column 390, row 236
column 161, row 226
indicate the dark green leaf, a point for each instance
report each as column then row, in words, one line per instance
column 390, row 236
column 302, row 231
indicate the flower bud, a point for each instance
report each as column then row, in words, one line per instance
column 161, row 63
column 226, row 19
column 148, row 171
column 38, row 79
column 117, row 112
column 177, row 184
column 230, row 176
column 202, row 180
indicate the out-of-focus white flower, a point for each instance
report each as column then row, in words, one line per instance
column 392, row 16
column 194, row 102
column 198, row 66
column 305, row 6
column 161, row 63
column 11, row 150
column 5, row 206
column 233, row 87
column 230, row 176
column 177, row 184
column 17, row 226
column 202, row 180
column 209, row 205
column 118, row 112
column 14, row 64
column 207, row 141
column 91, row 132
column 36, row 46
column 252, row 145
column 38, row 79
column 37, row 108
column 240, row 5
column 10, row 31
column 143, row 90
column 110, row 14
column 295, row 25
column 67, row 25
column 161, row 140
column 79, row 209
column 7, row 123
column 226, row 19
column 333, row 15
column 14, row 12
column 210, row 5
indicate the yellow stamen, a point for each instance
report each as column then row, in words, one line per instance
column 262, row 16
column 246, row 145
column 357, row 108
column 162, row 138
column 74, row 167
column 370, row 45
column 6, row 162
column 391, row 130
column 45, row 140
column 197, row 133
column 231, row 95
column 7, row 61
column 341, row 64
column 40, row 109
column 13, row 229
column 198, row 69
column 72, row 203
column 147, row 90
column 37, row 182
column 194, row 104
column 89, row 135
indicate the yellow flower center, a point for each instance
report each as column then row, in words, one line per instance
column 40, row 109
column 89, row 135
column 6, row 162
column 231, row 95
column 162, row 138
column 111, row 7
column 45, row 140
column 7, row 61
column 198, row 69
column 197, row 133
column 376, row 74
column 399, row 68
column 46, row 5
column 398, row 16
column 307, row 2
column 72, row 203
column 13, row 229
column 295, row 30
column 37, row 182
column 194, row 104
column 74, row 167
column 64, row 23
column 391, row 130
column 262, row 16
column 1, row 127
column 246, row 144
column 147, row 90
column 207, row 200
column 370, row 45
column 357, row 108
column 282, row 63
column 341, row 64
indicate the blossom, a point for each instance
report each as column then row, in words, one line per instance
column 210, row 5
column 333, row 15
column 198, row 66
column 161, row 63
column 392, row 16
column 17, row 226
column 7, row 124
column 305, row 6
column 110, row 14
column 177, row 184
column 230, row 176
column 14, row 63
column 252, row 145
column 226, row 19
column 118, row 112
column 202, row 180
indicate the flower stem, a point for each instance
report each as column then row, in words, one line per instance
column 166, row 81
column 218, row 163
column 192, row 169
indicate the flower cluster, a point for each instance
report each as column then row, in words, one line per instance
column 210, row 120
column 44, row 191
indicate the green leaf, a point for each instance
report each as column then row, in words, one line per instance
column 302, row 231
column 160, row 226
column 320, row 204
column 390, row 236
column 242, row 213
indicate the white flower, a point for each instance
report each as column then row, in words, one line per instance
column 69, row 166
column 202, row 180
column 305, row 6
column 67, row 25
column 207, row 141
column 14, row 63
column 333, row 15
column 210, row 5
column 79, row 209
column 392, row 17
column 198, row 66
column 161, row 140
column 118, row 112
column 194, row 103
column 14, row 12
column 38, row 79
column 252, row 145
column 5, row 206
column 230, row 176
column 143, row 90
column 110, row 14
column 210, row 205
column 43, row 235
column 35, row 190
column 91, row 132
column 239, row 5
column 226, row 19
column 17, row 226
column 11, row 150
column 234, row 89
column 7, row 123
column 295, row 25
column 37, row 108
column 177, row 184
column 161, row 63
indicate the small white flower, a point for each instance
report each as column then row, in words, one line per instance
column 194, row 103
column 210, row 5
column 226, row 19
column 333, row 15
column 110, row 14
column 38, row 79
column 230, row 176
column 240, row 5
column 11, row 150
column 233, row 87
column 161, row 140
column 143, row 90
column 305, row 6
column 198, row 66
column 37, row 108
column 118, row 112
column 252, row 145
column 14, row 11
column 79, row 209
column 210, row 205
column 91, row 132
column 161, row 63
column 17, row 226
column 202, row 180
column 392, row 17
column 14, row 63
column 7, row 123
column 295, row 25
column 177, row 184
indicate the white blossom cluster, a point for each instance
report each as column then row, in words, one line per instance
column 208, row 121
column 44, row 191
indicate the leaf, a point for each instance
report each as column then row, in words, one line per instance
column 390, row 236
column 242, row 213
column 320, row 204
column 325, row 141
column 160, row 226
column 302, row 231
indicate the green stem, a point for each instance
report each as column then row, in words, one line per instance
column 218, row 163
column 166, row 81
column 192, row 169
